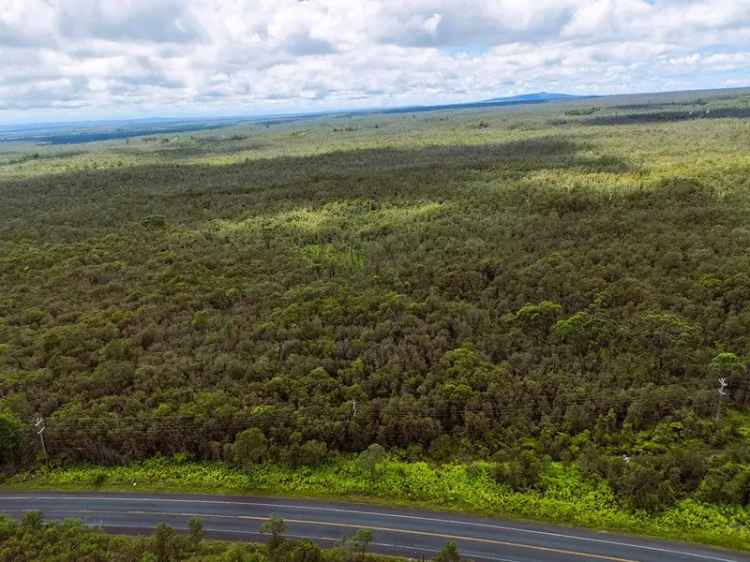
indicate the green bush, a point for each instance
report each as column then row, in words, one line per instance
column 521, row 471
column 250, row 447
column 728, row 483
column 312, row 453
column 449, row 553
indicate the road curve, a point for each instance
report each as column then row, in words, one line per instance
column 403, row 532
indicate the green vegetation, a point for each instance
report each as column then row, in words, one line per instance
column 562, row 494
column 33, row 540
column 524, row 288
column 449, row 554
column 10, row 437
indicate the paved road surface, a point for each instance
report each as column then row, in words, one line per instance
column 402, row 532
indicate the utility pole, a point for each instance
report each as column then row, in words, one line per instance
column 41, row 428
column 722, row 394
column 354, row 408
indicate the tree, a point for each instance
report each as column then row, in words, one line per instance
column 670, row 338
column 196, row 532
column 312, row 453
column 370, row 459
column 576, row 330
column 727, row 482
column 33, row 520
column 10, row 437
column 250, row 447
column 361, row 539
column 303, row 551
column 538, row 318
column 648, row 482
column 276, row 527
column 521, row 470
column 239, row 553
column 165, row 544
column 448, row 554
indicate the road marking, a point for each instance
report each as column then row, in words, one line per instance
column 474, row 555
column 446, row 536
column 664, row 550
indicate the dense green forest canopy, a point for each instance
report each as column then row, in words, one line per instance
column 570, row 281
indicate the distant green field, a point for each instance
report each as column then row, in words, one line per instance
column 562, row 283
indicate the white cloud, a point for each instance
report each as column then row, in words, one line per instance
column 203, row 56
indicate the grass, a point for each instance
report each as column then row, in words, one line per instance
column 566, row 498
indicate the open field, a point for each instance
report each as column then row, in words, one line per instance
column 530, row 287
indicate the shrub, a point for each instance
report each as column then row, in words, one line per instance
column 312, row 453
column 369, row 460
column 521, row 471
column 250, row 447
column 165, row 544
column 196, row 532
column 728, row 483
column 33, row 521
column 301, row 551
column 448, row 554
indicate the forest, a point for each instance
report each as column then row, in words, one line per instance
column 522, row 286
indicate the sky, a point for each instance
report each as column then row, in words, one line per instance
column 88, row 59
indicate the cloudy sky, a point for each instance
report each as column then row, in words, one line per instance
column 73, row 59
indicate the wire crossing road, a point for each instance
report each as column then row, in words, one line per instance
column 403, row 532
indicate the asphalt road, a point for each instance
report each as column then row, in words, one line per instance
column 410, row 533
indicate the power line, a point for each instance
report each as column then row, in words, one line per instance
column 41, row 428
column 156, row 429
column 625, row 396
column 480, row 402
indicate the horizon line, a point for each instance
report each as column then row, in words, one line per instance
column 381, row 109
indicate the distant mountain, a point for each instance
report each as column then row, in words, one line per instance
column 537, row 97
